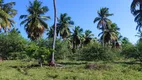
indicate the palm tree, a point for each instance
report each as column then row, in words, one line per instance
column 6, row 14
column 115, row 42
column 88, row 36
column 110, row 35
column 77, row 34
column 52, row 61
column 64, row 22
column 34, row 22
column 50, row 32
column 136, row 10
column 102, row 19
column 136, row 5
column 139, row 34
column 107, row 36
column 125, row 41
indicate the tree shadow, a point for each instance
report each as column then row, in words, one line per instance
column 128, row 63
column 72, row 63
column 23, row 69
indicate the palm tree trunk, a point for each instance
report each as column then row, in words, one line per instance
column 52, row 61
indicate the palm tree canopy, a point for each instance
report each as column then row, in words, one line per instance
column 64, row 22
column 6, row 14
column 139, row 34
column 136, row 10
column 34, row 22
column 88, row 36
column 136, row 5
column 110, row 34
column 77, row 34
column 102, row 18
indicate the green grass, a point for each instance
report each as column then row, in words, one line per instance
column 18, row 70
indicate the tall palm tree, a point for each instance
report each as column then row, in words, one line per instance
column 34, row 22
column 64, row 22
column 136, row 10
column 52, row 61
column 102, row 19
column 6, row 14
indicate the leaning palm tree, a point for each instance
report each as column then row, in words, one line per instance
column 52, row 60
column 34, row 22
column 102, row 19
column 136, row 10
column 64, row 22
column 6, row 14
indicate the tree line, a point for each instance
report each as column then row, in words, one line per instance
column 72, row 42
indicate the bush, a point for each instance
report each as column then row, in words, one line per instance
column 131, row 51
column 97, row 52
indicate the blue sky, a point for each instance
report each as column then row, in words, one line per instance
column 83, row 13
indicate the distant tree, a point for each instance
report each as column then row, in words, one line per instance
column 88, row 37
column 50, row 32
column 34, row 22
column 110, row 35
column 64, row 22
column 76, row 37
column 102, row 19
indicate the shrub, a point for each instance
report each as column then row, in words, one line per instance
column 97, row 52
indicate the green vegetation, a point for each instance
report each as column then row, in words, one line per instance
column 79, row 55
column 21, row 70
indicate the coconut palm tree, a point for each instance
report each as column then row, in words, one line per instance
column 110, row 35
column 102, row 19
column 115, row 43
column 139, row 34
column 64, row 22
column 136, row 5
column 6, row 14
column 50, row 32
column 52, row 59
column 76, row 37
column 136, row 10
column 107, row 36
column 34, row 22
column 88, row 37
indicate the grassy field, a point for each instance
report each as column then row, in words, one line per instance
column 19, row 70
